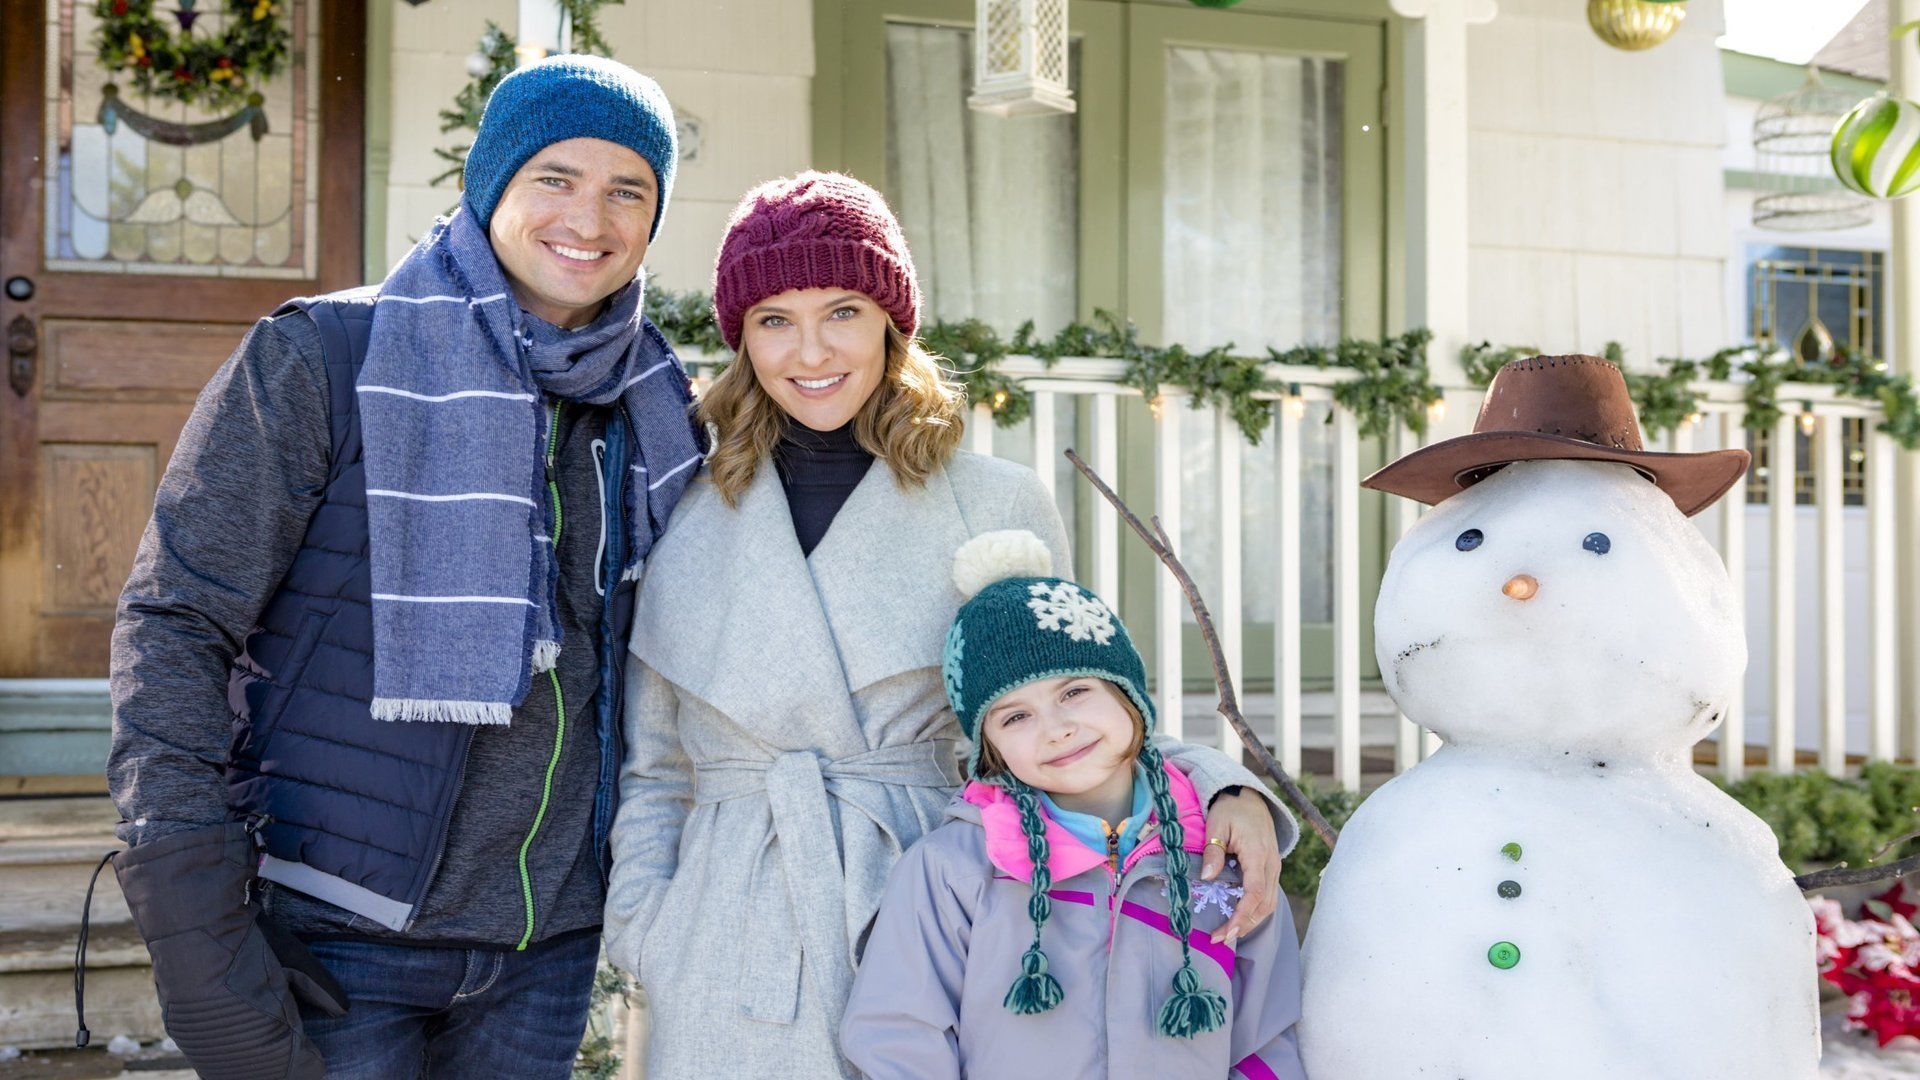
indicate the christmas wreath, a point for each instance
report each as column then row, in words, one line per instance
column 217, row 72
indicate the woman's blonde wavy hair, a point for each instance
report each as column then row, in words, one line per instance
column 913, row 421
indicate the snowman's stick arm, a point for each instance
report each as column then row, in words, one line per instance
column 1846, row 875
column 1162, row 547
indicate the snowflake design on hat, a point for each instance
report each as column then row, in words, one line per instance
column 1062, row 606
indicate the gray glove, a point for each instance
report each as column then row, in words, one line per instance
column 226, row 990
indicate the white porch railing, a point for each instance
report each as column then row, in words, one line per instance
column 1093, row 384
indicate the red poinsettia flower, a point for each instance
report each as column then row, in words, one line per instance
column 1888, row 1016
column 183, row 74
column 227, row 62
column 1895, row 898
column 119, row 7
column 1875, row 960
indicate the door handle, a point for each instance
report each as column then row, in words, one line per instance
column 23, row 349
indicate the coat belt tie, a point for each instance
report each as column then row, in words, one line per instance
column 808, row 921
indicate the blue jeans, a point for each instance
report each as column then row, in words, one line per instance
column 422, row 1011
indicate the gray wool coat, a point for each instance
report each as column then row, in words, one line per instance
column 788, row 736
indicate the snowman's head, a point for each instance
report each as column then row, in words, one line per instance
column 1563, row 605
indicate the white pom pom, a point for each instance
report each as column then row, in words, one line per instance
column 996, row 556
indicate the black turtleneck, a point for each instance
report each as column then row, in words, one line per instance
column 818, row 469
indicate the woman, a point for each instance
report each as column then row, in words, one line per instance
column 788, row 732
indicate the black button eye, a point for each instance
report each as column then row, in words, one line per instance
column 1469, row 540
column 1597, row 543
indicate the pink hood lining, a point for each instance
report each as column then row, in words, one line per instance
column 1067, row 857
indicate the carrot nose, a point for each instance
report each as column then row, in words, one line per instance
column 1521, row 586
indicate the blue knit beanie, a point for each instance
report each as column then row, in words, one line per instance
column 572, row 96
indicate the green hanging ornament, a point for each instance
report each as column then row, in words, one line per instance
column 1876, row 147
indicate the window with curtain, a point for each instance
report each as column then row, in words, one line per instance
column 990, row 204
column 1252, row 228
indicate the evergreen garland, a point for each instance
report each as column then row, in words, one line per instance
column 497, row 46
column 685, row 318
column 1393, row 384
column 1666, row 399
column 1818, row 820
column 582, row 18
column 583, row 21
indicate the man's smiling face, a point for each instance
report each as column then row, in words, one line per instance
column 572, row 227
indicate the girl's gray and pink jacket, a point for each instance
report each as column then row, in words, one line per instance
column 946, row 945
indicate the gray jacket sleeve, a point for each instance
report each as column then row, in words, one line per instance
column 228, row 518
column 903, row 1017
column 1266, row 992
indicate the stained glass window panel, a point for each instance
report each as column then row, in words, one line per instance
column 142, row 183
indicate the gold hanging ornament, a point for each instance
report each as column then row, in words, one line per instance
column 1634, row 25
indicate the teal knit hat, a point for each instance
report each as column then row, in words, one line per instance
column 571, row 96
column 1019, row 625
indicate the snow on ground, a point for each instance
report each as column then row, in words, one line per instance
column 1850, row 1055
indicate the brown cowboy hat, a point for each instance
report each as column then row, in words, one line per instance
column 1558, row 408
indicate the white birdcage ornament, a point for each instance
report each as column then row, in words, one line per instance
column 1793, row 166
column 1020, row 57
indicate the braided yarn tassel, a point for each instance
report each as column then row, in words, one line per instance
column 1036, row 990
column 1193, row 1009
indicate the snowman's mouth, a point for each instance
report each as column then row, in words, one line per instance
column 1405, row 654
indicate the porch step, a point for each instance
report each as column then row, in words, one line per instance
column 48, row 849
column 55, row 727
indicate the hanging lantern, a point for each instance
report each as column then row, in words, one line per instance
column 1876, row 147
column 1020, row 57
column 1793, row 151
column 1635, row 24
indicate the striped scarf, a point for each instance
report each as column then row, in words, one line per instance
column 453, row 403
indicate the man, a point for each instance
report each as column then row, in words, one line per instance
column 366, row 670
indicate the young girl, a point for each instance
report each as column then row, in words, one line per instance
column 1052, row 927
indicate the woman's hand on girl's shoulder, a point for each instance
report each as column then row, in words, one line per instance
column 1243, row 825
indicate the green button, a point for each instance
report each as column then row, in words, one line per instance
column 1509, row 889
column 1503, row 955
column 1511, row 851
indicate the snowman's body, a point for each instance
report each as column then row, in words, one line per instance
column 1649, row 929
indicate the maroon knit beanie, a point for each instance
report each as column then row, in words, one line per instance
column 813, row 231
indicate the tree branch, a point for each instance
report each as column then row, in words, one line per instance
column 1845, row 875
column 1162, row 546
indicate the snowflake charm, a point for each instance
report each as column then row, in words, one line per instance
column 1063, row 607
column 1215, row 893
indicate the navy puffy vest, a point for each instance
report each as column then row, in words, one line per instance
column 357, row 808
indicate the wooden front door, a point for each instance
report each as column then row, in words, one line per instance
column 140, row 236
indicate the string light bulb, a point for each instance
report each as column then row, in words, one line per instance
column 1806, row 423
column 1437, row 408
column 1296, row 406
column 1694, row 419
column 999, row 399
column 1156, row 404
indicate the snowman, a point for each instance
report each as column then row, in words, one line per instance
column 1556, row 894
